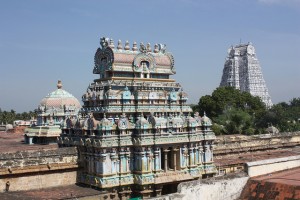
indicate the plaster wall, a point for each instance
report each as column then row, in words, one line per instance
column 221, row 188
column 38, row 181
column 272, row 165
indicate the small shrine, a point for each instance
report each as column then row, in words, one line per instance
column 52, row 111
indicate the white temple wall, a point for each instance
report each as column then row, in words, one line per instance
column 272, row 165
column 222, row 189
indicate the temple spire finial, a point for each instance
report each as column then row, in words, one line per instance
column 134, row 47
column 111, row 43
column 59, row 84
column 127, row 47
column 119, row 47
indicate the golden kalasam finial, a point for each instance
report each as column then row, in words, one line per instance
column 59, row 84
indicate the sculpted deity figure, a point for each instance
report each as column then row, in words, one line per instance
column 142, row 48
column 103, row 42
column 51, row 121
column 162, row 48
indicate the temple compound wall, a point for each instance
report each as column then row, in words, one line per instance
column 27, row 170
column 136, row 136
column 234, row 144
column 272, row 165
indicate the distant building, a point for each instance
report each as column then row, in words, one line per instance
column 242, row 71
column 52, row 111
column 137, row 136
column 25, row 123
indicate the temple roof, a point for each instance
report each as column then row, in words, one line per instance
column 124, row 59
column 60, row 98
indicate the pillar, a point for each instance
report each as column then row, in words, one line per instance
column 127, row 158
column 211, row 151
column 30, row 140
column 195, row 156
column 166, row 159
column 121, row 162
column 156, row 159
column 197, row 162
column 148, row 156
column 142, row 161
column 102, row 163
column 175, row 150
column 191, row 156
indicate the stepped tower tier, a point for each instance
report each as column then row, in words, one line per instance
column 242, row 71
column 134, row 81
column 136, row 135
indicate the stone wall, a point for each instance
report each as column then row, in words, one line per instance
column 39, row 180
column 232, row 144
column 21, row 159
column 272, row 165
column 218, row 188
column 25, row 170
column 33, row 169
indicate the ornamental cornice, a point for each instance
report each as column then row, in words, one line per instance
column 138, row 62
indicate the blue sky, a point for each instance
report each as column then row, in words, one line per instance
column 42, row 41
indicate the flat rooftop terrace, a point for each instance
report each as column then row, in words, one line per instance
column 13, row 142
column 288, row 177
column 55, row 193
column 255, row 156
column 284, row 185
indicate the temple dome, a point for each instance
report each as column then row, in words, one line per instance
column 206, row 121
column 60, row 98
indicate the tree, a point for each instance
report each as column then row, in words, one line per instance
column 295, row 102
column 284, row 116
column 233, row 111
column 224, row 98
column 9, row 117
column 235, row 121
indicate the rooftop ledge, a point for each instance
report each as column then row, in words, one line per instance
column 136, row 79
column 272, row 161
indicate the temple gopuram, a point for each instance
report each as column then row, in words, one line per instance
column 243, row 72
column 136, row 136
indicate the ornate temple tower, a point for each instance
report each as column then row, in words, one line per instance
column 136, row 136
column 242, row 71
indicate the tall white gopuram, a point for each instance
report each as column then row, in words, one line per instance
column 242, row 71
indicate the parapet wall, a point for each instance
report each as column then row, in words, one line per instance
column 272, row 165
column 231, row 144
column 25, row 170
column 32, row 169
column 37, row 157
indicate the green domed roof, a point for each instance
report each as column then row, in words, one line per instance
column 59, row 98
column 59, row 93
